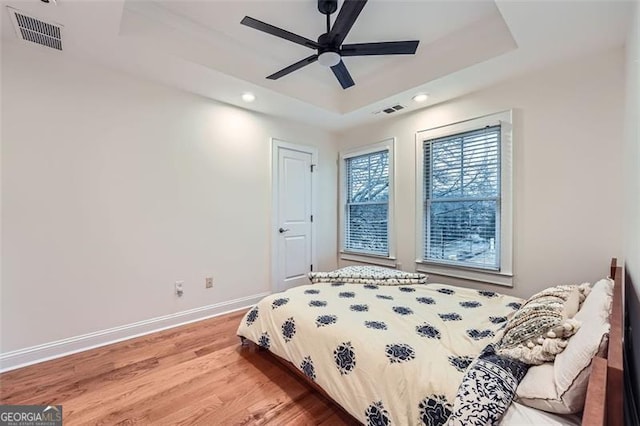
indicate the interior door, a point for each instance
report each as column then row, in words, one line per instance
column 293, row 233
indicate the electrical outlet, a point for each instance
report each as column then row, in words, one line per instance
column 208, row 282
column 179, row 288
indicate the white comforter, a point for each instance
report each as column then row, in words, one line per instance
column 387, row 354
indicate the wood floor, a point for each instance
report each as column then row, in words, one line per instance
column 195, row 374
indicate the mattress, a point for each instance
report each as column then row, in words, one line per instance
column 386, row 354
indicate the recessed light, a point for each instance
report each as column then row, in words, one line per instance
column 248, row 97
column 421, row 97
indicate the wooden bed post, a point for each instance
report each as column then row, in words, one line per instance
column 615, row 379
column 612, row 268
column 595, row 413
column 604, row 402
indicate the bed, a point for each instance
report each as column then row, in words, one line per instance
column 404, row 350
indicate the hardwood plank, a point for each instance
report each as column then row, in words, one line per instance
column 153, row 383
column 194, row 374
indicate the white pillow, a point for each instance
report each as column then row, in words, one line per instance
column 561, row 386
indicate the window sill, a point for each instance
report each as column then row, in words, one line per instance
column 490, row 277
column 389, row 262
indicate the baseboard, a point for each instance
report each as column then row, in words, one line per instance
column 35, row 354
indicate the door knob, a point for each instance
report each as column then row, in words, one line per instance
column 282, row 230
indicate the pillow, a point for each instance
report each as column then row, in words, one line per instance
column 539, row 330
column 561, row 387
column 368, row 275
column 487, row 389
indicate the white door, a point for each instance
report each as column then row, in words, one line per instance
column 293, row 218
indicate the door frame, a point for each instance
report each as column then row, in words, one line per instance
column 276, row 145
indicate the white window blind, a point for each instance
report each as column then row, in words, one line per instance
column 367, row 203
column 462, row 199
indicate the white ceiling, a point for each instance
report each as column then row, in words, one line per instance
column 200, row 46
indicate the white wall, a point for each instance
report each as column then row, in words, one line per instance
column 114, row 188
column 568, row 137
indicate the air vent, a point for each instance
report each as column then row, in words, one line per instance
column 393, row 109
column 390, row 110
column 36, row 31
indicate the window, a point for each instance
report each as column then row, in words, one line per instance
column 466, row 200
column 367, row 192
column 462, row 185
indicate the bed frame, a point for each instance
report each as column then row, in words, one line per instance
column 604, row 401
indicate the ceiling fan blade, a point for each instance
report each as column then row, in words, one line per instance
column 345, row 20
column 384, row 48
column 278, row 32
column 342, row 74
column 293, row 67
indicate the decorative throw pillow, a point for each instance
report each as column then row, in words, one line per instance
column 561, row 387
column 539, row 330
column 368, row 275
column 487, row 389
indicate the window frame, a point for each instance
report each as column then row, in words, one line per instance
column 364, row 257
column 504, row 275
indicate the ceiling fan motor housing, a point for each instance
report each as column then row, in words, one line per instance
column 326, row 44
column 328, row 52
column 327, row 7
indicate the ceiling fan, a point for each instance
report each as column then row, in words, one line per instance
column 329, row 47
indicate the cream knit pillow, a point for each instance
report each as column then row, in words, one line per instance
column 540, row 328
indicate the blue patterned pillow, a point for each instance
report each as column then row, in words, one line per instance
column 487, row 389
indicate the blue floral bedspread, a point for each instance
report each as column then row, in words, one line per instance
column 390, row 355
